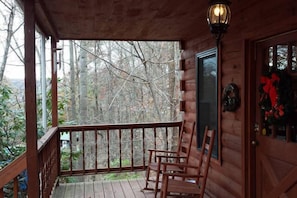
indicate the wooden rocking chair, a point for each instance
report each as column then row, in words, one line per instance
column 181, row 155
column 185, row 184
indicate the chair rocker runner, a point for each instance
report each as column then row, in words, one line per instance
column 189, row 184
column 179, row 156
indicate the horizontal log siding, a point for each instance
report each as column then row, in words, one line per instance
column 250, row 20
column 224, row 180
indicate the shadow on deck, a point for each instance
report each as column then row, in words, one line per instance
column 125, row 188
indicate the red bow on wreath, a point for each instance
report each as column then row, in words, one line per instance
column 275, row 97
column 269, row 87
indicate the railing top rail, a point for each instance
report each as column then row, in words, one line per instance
column 46, row 137
column 119, row 126
column 13, row 169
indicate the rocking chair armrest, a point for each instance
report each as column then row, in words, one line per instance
column 160, row 151
column 172, row 157
column 180, row 165
column 182, row 175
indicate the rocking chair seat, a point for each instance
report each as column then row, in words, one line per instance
column 179, row 187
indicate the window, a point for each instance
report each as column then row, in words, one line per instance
column 207, row 95
column 281, row 58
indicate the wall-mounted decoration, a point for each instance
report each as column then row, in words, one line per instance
column 231, row 98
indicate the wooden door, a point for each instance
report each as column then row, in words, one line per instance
column 276, row 117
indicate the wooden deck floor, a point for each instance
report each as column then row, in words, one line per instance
column 103, row 189
column 129, row 188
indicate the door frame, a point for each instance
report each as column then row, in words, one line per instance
column 250, row 108
column 249, row 150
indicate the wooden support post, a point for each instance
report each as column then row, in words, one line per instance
column 30, row 97
column 54, row 84
column 55, row 96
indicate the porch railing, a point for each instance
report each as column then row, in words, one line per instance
column 48, row 156
column 11, row 172
column 112, row 148
column 93, row 149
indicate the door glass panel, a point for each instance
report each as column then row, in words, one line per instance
column 282, row 57
column 278, row 58
column 270, row 56
column 281, row 132
column 294, row 54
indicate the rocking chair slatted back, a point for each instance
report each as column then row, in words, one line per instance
column 181, row 155
column 186, row 184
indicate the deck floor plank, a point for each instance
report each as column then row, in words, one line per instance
column 137, row 189
column 118, row 190
column 128, row 191
column 108, row 191
column 104, row 189
column 69, row 190
column 147, row 193
column 98, row 189
column 79, row 190
column 89, row 190
column 59, row 191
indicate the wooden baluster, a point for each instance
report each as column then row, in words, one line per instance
column 83, row 150
column 70, row 145
column 167, row 146
column 96, row 150
column 1, row 193
column 108, row 152
column 143, row 148
column 58, row 156
column 155, row 141
column 15, row 187
column 131, row 139
column 120, row 146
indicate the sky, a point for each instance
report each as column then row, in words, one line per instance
column 14, row 66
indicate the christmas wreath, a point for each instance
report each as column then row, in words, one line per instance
column 231, row 99
column 276, row 97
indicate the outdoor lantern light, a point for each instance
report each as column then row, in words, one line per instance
column 218, row 17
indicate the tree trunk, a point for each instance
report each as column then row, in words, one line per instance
column 72, row 83
column 83, row 84
column 173, row 136
column 8, row 40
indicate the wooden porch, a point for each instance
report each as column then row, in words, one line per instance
column 105, row 144
column 128, row 188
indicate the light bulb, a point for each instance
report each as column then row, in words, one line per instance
column 218, row 10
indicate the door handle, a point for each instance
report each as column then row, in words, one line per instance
column 256, row 127
column 255, row 143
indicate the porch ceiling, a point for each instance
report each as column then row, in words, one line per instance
column 122, row 19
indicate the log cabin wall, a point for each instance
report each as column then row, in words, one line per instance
column 252, row 20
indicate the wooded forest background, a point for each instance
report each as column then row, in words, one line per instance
column 99, row 81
